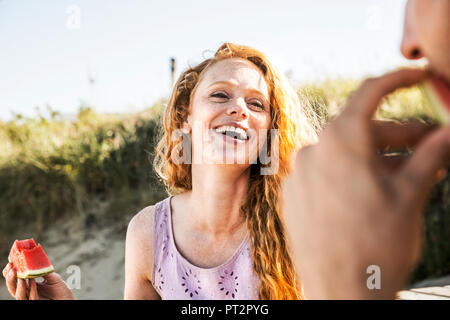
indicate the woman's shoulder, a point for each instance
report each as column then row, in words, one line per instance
column 140, row 226
column 142, row 221
column 140, row 241
column 139, row 236
column 139, row 253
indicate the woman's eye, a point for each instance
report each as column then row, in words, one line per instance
column 257, row 104
column 219, row 95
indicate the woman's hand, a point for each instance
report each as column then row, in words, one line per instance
column 347, row 208
column 52, row 288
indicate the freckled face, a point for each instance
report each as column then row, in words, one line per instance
column 230, row 103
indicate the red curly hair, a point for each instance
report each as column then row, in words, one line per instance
column 295, row 123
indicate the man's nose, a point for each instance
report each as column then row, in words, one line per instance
column 410, row 46
column 238, row 108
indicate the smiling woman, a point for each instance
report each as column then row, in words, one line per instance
column 221, row 235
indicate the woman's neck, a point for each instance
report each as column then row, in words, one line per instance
column 215, row 200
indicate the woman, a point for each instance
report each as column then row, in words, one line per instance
column 220, row 235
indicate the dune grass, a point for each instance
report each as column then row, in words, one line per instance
column 52, row 168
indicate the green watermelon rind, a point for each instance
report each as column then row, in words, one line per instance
column 35, row 273
column 439, row 111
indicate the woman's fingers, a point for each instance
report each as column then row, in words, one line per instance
column 6, row 270
column 52, row 278
column 21, row 291
column 11, row 281
column 33, row 290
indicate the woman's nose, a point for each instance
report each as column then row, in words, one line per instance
column 238, row 108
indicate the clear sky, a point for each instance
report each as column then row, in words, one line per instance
column 49, row 49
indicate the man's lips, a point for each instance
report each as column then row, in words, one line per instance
column 442, row 89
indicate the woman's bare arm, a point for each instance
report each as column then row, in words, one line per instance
column 139, row 257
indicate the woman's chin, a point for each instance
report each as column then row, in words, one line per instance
column 227, row 151
column 221, row 158
column 223, row 150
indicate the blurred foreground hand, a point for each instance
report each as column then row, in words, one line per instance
column 346, row 208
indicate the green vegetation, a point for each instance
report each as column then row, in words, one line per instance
column 51, row 169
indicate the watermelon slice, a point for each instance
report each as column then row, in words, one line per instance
column 29, row 259
column 437, row 92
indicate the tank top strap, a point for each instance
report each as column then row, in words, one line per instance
column 161, row 234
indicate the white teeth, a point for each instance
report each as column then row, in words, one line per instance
column 241, row 132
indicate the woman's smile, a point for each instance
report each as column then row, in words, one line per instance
column 232, row 134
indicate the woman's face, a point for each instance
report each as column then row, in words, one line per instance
column 229, row 112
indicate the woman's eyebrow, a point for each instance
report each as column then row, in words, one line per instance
column 233, row 84
column 228, row 83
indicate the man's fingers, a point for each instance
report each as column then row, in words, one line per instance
column 366, row 99
column 419, row 172
column 440, row 175
column 392, row 162
column 391, row 134
column 21, row 291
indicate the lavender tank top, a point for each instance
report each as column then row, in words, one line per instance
column 174, row 277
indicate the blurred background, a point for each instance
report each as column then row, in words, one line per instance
column 83, row 85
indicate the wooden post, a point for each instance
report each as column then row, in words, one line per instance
column 172, row 70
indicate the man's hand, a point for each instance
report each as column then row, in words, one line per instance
column 346, row 208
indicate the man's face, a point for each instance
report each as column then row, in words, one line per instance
column 427, row 34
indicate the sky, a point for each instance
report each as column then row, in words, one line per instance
column 114, row 55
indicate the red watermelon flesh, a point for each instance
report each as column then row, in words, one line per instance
column 437, row 90
column 29, row 259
